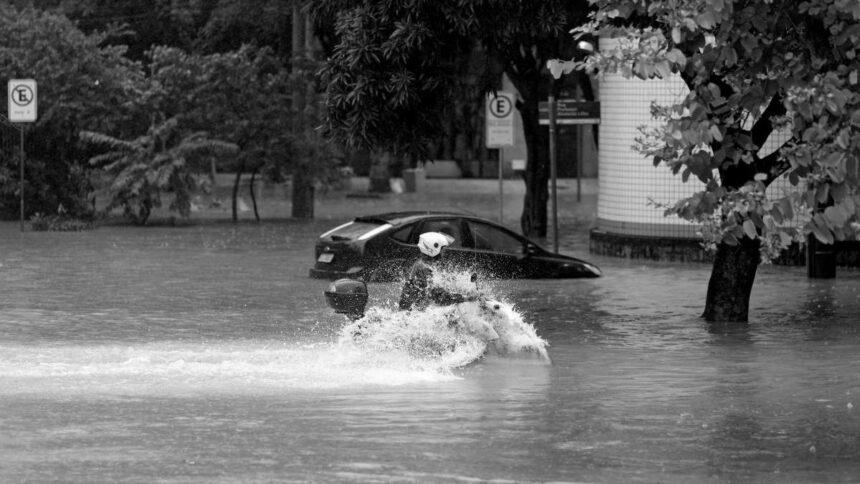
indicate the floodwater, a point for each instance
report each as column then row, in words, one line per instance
column 206, row 354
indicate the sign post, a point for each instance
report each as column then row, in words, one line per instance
column 500, row 132
column 571, row 111
column 22, row 101
column 553, row 169
column 565, row 111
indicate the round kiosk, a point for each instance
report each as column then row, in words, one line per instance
column 628, row 223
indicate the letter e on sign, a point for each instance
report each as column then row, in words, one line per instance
column 500, row 106
column 22, row 100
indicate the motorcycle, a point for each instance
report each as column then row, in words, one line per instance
column 457, row 334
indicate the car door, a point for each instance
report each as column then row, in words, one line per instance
column 538, row 263
column 498, row 252
column 394, row 255
column 459, row 253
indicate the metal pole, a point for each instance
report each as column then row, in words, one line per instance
column 21, row 167
column 501, row 189
column 552, row 170
column 580, row 151
column 298, row 41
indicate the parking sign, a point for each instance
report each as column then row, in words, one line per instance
column 500, row 120
column 22, row 100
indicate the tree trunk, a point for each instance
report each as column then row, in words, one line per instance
column 253, row 195
column 731, row 282
column 820, row 259
column 213, row 175
column 533, row 87
column 533, row 221
column 303, row 192
column 380, row 178
column 303, row 178
column 235, row 202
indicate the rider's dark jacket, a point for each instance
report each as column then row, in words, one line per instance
column 419, row 290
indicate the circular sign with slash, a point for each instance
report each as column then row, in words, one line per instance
column 22, row 95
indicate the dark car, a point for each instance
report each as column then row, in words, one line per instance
column 383, row 247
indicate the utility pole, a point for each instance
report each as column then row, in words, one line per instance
column 21, row 166
column 553, row 166
column 302, row 53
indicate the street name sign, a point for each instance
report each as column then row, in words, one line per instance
column 570, row 111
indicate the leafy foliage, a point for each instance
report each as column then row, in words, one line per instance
column 239, row 96
column 230, row 24
column 81, row 85
column 394, row 68
column 134, row 24
column 164, row 160
column 239, row 93
column 753, row 69
column 388, row 78
column 58, row 223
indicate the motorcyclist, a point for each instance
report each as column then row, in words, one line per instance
column 420, row 290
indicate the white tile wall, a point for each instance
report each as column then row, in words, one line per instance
column 627, row 179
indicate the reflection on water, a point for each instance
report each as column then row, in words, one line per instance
column 205, row 353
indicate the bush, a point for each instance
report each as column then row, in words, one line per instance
column 58, row 223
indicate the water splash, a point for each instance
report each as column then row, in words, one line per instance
column 444, row 338
column 174, row 368
column 394, row 348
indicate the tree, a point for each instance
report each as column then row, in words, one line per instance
column 134, row 24
column 241, row 97
column 210, row 27
column 393, row 64
column 161, row 161
column 282, row 26
column 387, row 79
column 752, row 68
column 81, row 85
column 233, row 23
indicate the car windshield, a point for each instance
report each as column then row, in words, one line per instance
column 351, row 230
column 491, row 238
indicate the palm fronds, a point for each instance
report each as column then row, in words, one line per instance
column 153, row 164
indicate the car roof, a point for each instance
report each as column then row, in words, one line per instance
column 397, row 218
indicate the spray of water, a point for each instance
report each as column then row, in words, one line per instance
column 385, row 348
column 444, row 338
column 178, row 368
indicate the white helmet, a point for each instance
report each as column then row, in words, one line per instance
column 431, row 243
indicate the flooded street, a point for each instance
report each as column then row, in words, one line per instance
column 206, row 354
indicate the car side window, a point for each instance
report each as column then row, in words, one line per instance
column 487, row 237
column 445, row 226
column 402, row 235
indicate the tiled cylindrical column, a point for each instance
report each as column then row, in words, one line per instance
column 629, row 180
